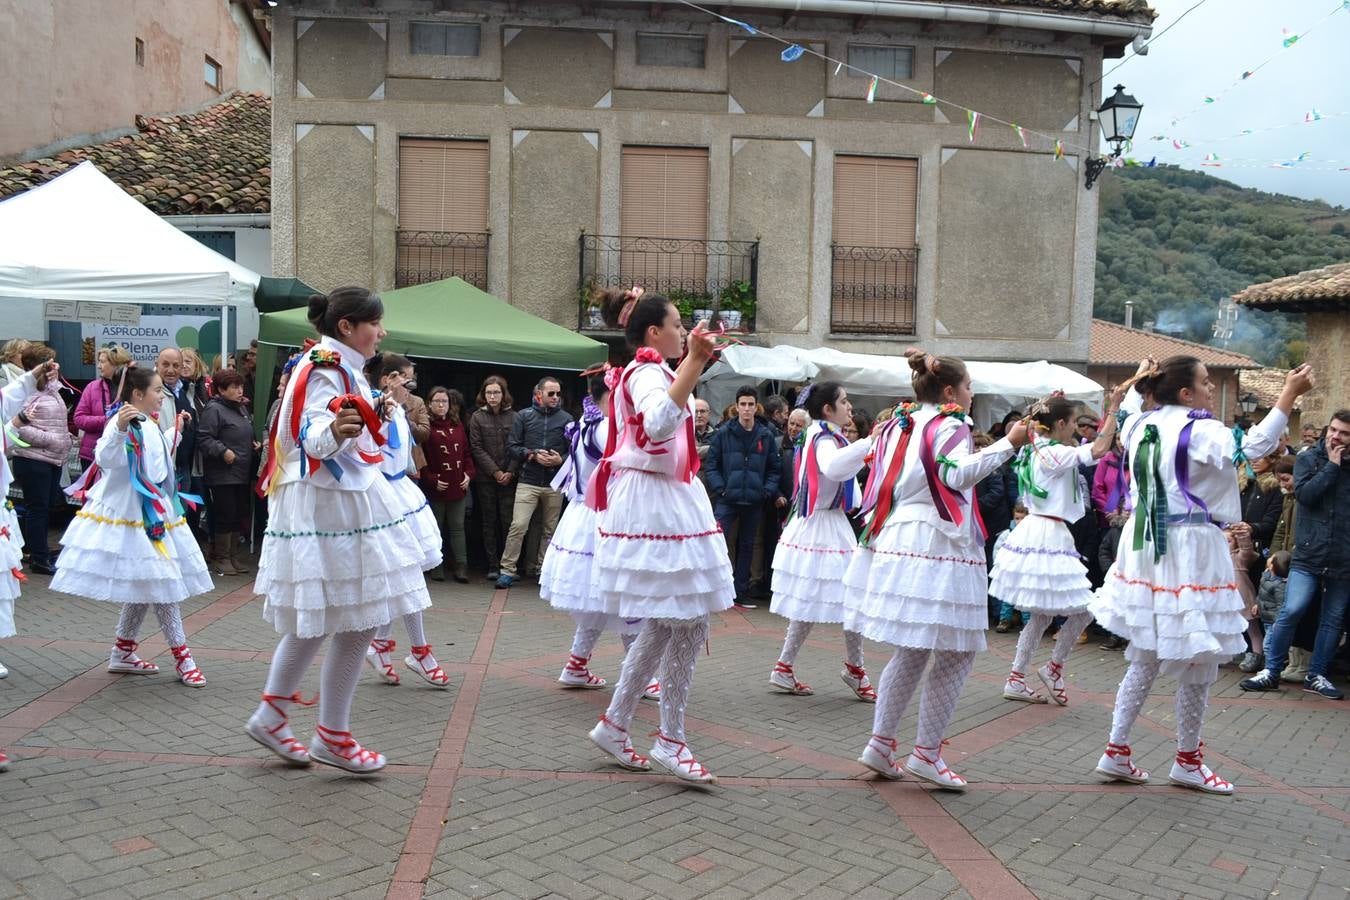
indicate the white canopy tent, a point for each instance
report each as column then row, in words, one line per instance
column 999, row 387
column 81, row 237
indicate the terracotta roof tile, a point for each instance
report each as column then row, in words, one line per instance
column 1130, row 10
column 215, row 160
column 1116, row 345
column 1315, row 289
column 1266, row 384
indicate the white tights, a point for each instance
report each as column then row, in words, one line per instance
column 337, row 681
column 1035, row 627
column 1191, row 702
column 678, row 642
column 940, row 692
column 797, row 632
column 169, row 616
column 413, row 621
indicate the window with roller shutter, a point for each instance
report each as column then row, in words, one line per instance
column 442, row 211
column 874, row 252
column 663, row 215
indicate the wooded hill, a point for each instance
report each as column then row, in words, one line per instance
column 1176, row 242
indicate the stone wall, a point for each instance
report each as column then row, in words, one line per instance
column 1006, row 234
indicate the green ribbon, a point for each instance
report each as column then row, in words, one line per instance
column 1024, row 466
column 1150, row 515
column 1240, row 459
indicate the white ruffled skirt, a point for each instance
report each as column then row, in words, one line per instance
column 565, row 579
column 11, row 558
column 107, row 557
column 421, row 520
column 917, row 587
column 809, row 565
column 336, row 561
column 1185, row 607
column 659, row 553
column 1038, row 570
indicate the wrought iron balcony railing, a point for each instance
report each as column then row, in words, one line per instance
column 872, row 289
column 432, row 255
column 691, row 272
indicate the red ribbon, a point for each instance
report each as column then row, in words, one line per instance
column 886, row 494
column 369, row 419
column 597, row 491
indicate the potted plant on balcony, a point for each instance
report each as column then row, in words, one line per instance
column 590, row 299
column 738, row 304
column 684, row 303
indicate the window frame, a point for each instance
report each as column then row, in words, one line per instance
column 219, row 86
column 445, row 28
column 855, row 71
column 639, row 37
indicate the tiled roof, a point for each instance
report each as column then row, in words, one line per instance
column 1116, row 345
column 1130, row 10
column 1315, row 289
column 215, row 160
column 1266, row 384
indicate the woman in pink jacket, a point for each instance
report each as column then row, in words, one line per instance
column 91, row 413
column 40, row 451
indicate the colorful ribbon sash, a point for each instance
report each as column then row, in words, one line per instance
column 682, row 442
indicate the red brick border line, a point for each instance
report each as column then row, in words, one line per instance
column 64, row 697
column 970, row 862
column 424, row 834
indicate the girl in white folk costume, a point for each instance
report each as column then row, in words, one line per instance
column 1037, row 569
column 918, row 579
column 659, row 555
column 565, row 578
column 1172, row 592
column 129, row 543
column 817, row 544
column 12, row 399
column 339, row 556
column 393, row 374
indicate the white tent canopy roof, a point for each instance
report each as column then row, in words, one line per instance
column 81, row 237
column 889, row 376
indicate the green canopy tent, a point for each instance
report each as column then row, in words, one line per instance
column 450, row 320
column 277, row 294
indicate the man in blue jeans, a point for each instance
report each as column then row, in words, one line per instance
column 743, row 473
column 1321, row 561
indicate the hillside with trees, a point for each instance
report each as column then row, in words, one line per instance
column 1176, row 242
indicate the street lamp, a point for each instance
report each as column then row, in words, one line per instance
column 1118, row 116
column 1248, row 402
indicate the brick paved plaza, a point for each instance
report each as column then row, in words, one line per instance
column 127, row 786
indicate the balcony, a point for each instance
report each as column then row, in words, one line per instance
column 691, row 272
column 432, row 255
column 872, row 289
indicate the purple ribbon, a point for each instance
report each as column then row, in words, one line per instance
column 1183, row 464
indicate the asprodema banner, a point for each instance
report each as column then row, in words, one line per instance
column 152, row 334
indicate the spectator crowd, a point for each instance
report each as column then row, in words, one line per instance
column 488, row 472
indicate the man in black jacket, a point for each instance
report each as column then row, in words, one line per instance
column 538, row 442
column 1321, row 561
column 743, row 474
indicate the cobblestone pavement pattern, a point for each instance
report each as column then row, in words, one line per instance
column 128, row 786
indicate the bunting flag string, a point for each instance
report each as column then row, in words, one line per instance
column 1311, row 117
column 1288, row 40
column 792, row 51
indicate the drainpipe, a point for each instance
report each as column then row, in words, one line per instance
column 960, row 13
column 225, row 220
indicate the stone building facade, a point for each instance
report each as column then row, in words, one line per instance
column 606, row 143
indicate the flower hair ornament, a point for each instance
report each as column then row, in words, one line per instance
column 630, row 301
column 612, row 373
